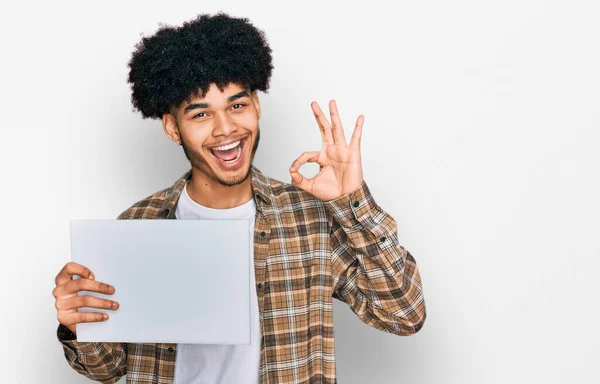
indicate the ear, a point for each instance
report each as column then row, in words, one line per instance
column 170, row 127
column 256, row 102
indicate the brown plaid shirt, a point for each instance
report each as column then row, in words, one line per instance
column 306, row 251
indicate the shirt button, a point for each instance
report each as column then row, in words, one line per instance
column 262, row 234
column 382, row 238
column 170, row 349
column 356, row 203
column 259, row 285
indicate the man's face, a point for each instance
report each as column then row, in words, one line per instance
column 209, row 129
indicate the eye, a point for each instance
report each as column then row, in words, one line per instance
column 198, row 115
column 241, row 105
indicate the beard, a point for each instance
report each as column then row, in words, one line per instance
column 198, row 161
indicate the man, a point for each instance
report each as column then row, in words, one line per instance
column 314, row 239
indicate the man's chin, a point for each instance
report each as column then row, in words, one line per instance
column 231, row 178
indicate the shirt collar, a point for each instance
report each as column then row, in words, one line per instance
column 259, row 182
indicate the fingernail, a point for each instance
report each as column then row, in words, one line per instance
column 105, row 316
column 92, row 277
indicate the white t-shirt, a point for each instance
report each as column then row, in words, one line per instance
column 214, row 363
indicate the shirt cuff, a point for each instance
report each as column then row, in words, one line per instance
column 69, row 339
column 352, row 208
column 64, row 333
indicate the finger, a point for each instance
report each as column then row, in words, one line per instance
column 323, row 124
column 85, row 301
column 70, row 269
column 81, row 317
column 336, row 124
column 357, row 134
column 306, row 157
column 297, row 178
column 302, row 182
column 83, row 284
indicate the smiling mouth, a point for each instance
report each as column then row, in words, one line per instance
column 229, row 154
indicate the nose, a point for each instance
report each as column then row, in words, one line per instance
column 224, row 125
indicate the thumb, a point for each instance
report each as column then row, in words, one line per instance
column 299, row 181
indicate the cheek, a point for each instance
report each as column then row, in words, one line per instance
column 249, row 119
column 195, row 137
column 250, row 126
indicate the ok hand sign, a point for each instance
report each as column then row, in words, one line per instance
column 340, row 164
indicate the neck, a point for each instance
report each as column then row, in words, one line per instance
column 208, row 192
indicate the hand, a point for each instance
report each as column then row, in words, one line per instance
column 340, row 164
column 67, row 300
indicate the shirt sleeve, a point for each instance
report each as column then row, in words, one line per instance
column 103, row 362
column 371, row 272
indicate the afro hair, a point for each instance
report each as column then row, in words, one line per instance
column 178, row 63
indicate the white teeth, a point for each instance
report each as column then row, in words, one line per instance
column 226, row 147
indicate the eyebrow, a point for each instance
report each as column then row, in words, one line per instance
column 244, row 93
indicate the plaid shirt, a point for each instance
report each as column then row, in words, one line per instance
column 306, row 251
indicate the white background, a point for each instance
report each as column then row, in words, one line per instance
column 481, row 139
